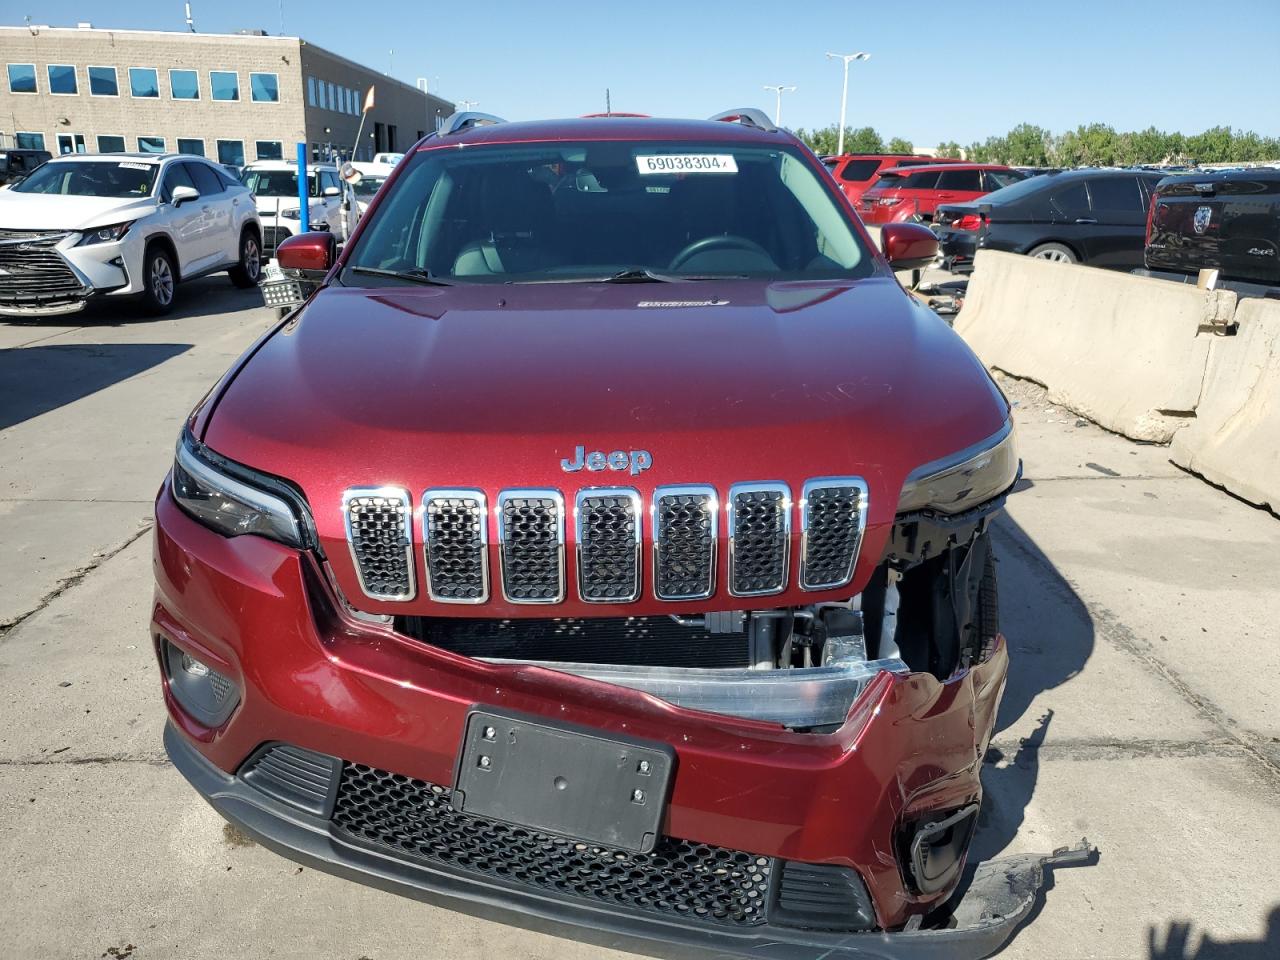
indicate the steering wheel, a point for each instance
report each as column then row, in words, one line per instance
column 727, row 241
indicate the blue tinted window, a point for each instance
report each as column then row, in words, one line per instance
column 22, row 78
column 111, row 144
column 62, row 78
column 103, row 83
column 29, row 141
column 151, row 144
column 185, row 84
column 224, row 84
column 143, row 82
column 193, row 147
column 269, row 150
column 265, row 87
column 231, row 152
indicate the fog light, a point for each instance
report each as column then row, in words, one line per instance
column 203, row 692
column 193, row 666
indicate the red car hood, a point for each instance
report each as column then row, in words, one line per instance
column 490, row 387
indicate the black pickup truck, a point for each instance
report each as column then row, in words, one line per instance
column 1226, row 221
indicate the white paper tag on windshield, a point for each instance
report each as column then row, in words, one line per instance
column 129, row 165
column 687, row 163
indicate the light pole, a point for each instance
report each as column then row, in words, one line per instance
column 468, row 104
column 844, row 91
column 778, row 89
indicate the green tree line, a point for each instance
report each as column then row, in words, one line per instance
column 1095, row 144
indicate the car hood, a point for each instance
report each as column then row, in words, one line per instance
column 51, row 211
column 490, row 387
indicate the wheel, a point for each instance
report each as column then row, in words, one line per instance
column 159, row 281
column 1056, row 252
column 248, row 270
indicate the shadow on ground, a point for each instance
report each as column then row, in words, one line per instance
column 1175, row 942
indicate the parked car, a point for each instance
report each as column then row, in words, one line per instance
column 479, row 582
column 905, row 193
column 856, row 172
column 16, row 164
column 274, row 185
column 1224, row 221
column 118, row 225
column 387, row 159
column 366, row 188
column 1096, row 217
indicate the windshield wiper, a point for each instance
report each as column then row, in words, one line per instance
column 416, row 275
column 645, row 275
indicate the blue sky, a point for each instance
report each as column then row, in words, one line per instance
column 960, row 70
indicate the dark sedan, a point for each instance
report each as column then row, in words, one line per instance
column 1096, row 217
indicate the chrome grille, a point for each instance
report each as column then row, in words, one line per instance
column 455, row 533
column 759, row 517
column 531, row 535
column 684, row 542
column 33, row 272
column 379, row 523
column 607, row 529
column 833, row 517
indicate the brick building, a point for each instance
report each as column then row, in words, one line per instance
column 230, row 97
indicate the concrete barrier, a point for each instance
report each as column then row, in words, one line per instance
column 1235, row 439
column 1127, row 352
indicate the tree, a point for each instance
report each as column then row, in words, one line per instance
column 899, row 145
column 1026, row 145
column 863, row 140
column 949, row 149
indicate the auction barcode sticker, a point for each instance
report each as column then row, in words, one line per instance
column 130, row 165
column 687, row 163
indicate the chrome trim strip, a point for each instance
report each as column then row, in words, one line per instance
column 637, row 516
column 515, row 494
column 447, row 493
column 713, row 509
column 827, row 483
column 388, row 493
column 730, row 507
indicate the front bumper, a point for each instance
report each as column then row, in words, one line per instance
column 263, row 615
column 85, row 272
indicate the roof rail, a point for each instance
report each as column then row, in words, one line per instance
column 464, row 120
column 749, row 116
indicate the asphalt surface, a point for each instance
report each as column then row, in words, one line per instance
column 1140, row 605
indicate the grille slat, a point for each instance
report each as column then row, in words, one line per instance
column 379, row 523
column 301, row 777
column 608, row 536
column 456, row 538
column 31, row 270
column 531, row 533
column 833, row 518
column 415, row 818
column 685, row 521
column 759, row 538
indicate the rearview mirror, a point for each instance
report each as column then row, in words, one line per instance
column 908, row 246
column 315, row 251
column 182, row 194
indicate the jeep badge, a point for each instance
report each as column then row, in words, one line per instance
column 637, row 461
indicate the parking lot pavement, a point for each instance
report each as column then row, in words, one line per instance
column 1139, row 604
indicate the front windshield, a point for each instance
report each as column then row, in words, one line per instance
column 589, row 211
column 91, row 178
column 274, row 183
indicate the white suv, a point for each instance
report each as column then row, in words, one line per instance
column 274, row 185
column 122, row 224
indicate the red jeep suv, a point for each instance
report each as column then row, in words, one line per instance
column 603, row 547
column 913, row 193
column 857, row 172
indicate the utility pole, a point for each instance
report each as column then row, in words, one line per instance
column 468, row 104
column 844, row 91
column 779, row 89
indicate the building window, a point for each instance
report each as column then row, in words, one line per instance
column 110, row 144
column 71, row 143
column 103, row 82
column 193, row 147
column 62, row 79
column 269, row 149
column 311, row 91
column 225, row 84
column 22, row 78
column 184, row 84
column 264, row 88
column 144, row 82
column 151, row 144
column 29, row 141
column 351, row 102
column 231, row 152
column 333, row 97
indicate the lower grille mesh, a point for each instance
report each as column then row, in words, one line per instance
column 679, row 878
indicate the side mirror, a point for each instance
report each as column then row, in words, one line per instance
column 182, row 194
column 908, row 246
column 331, row 192
column 315, row 252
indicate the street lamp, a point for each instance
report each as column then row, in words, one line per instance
column 468, row 104
column 778, row 89
column 844, row 92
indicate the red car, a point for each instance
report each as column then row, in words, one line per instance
column 913, row 193
column 603, row 547
column 856, row 172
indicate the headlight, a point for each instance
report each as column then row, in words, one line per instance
column 232, row 507
column 965, row 480
column 291, row 214
column 105, row 234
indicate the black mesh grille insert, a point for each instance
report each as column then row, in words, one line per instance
column 758, row 561
column 609, row 546
column 457, row 565
column 832, row 535
column 679, row 878
column 639, row 641
column 684, row 545
column 378, row 528
column 532, row 549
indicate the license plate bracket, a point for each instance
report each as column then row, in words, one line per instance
column 561, row 779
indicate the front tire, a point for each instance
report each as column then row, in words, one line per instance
column 248, row 271
column 1054, row 252
column 159, row 281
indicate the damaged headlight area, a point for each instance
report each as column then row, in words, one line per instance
column 966, row 479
